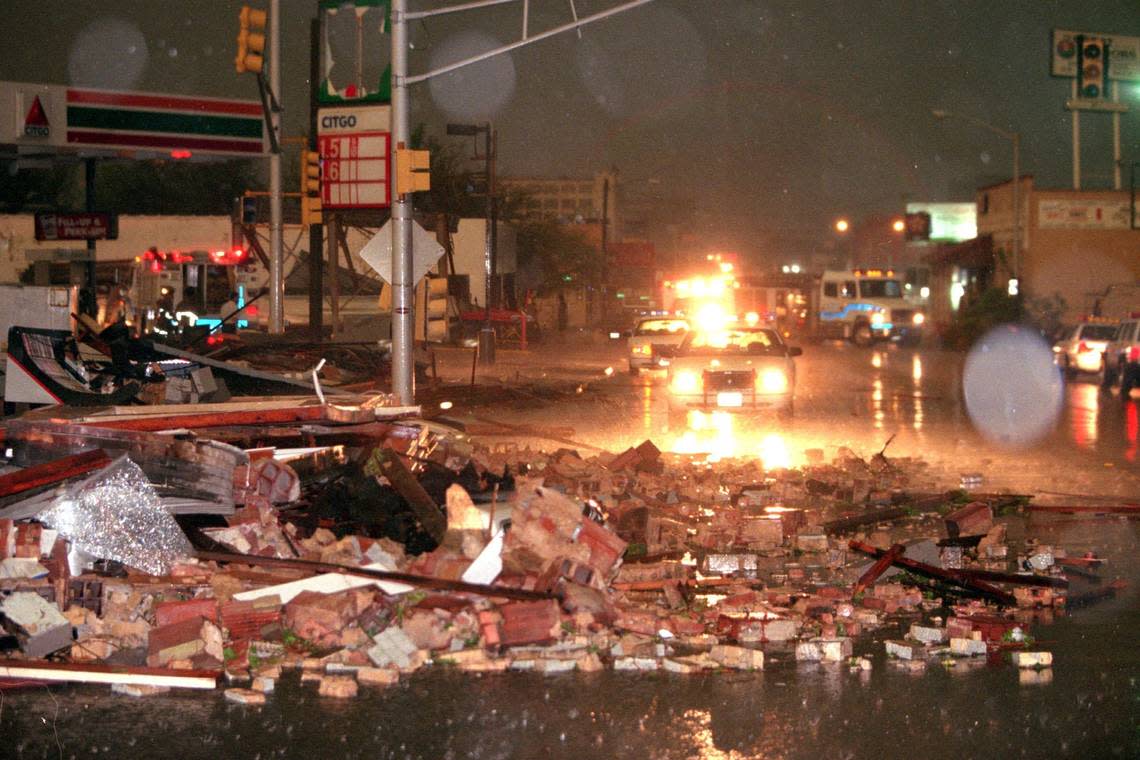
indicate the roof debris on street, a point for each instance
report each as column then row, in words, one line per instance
column 357, row 543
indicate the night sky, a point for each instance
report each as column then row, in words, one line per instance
column 769, row 119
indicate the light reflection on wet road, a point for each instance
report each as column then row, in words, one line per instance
column 859, row 398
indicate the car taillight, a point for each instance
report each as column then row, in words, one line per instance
column 772, row 381
column 686, row 381
column 1134, row 354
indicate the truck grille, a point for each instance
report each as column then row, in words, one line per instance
column 902, row 316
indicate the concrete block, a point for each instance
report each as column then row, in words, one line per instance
column 138, row 689
column 337, row 687
column 927, row 634
column 392, row 647
column 245, row 696
column 967, row 647
column 904, row 650
column 835, row 650
column 1032, row 659
column 808, row 651
column 641, row 664
column 378, row 676
column 737, row 658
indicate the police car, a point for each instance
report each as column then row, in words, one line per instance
column 1081, row 349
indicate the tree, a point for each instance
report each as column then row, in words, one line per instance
column 555, row 256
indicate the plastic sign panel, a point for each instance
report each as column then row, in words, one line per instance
column 57, row 117
column 354, row 143
column 356, row 52
column 1123, row 54
column 78, row 226
column 377, row 252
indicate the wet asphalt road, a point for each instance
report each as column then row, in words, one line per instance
column 1085, row 706
column 845, row 396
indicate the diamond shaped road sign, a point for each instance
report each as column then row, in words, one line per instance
column 377, row 252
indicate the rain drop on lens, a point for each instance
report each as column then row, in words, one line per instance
column 1013, row 391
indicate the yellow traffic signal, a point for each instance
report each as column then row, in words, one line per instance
column 311, row 210
column 413, row 171
column 310, row 172
column 250, row 40
column 310, row 187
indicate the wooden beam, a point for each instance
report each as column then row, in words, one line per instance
column 99, row 673
column 50, row 473
column 877, row 569
column 976, row 587
column 422, row 581
column 215, row 419
column 866, row 518
column 429, row 514
column 1017, row 579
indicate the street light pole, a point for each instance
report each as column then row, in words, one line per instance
column 487, row 333
column 276, row 257
column 1015, row 138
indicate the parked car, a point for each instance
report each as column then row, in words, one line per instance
column 1081, row 348
column 741, row 368
column 649, row 335
column 1122, row 357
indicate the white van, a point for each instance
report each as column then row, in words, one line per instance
column 866, row 305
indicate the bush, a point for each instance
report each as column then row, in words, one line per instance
column 996, row 307
column 977, row 317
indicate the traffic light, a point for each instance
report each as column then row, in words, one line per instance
column 310, row 187
column 439, row 311
column 250, row 40
column 1092, row 67
column 413, row 171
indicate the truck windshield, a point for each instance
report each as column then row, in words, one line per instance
column 880, row 289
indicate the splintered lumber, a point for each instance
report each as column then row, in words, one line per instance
column 99, row 673
column 192, row 421
column 867, row 518
column 427, row 511
column 976, row 587
column 50, row 473
column 1096, row 509
column 1018, row 579
column 422, row 581
column 877, row 569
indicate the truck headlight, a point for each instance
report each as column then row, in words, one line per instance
column 772, row 381
column 685, row 381
column 919, row 318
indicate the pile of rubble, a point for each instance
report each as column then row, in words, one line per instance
column 357, row 544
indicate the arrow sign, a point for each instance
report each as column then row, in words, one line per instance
column 377, row 252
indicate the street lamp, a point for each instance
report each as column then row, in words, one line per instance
column 1015, row 138
column 487, row 334
column 842, row 225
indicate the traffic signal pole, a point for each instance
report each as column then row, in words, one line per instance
column 403, row 380
column 402, row 314
column 276, row 275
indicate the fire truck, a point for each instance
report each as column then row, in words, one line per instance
column 171, row 287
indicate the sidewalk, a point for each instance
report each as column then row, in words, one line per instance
column 569, row 356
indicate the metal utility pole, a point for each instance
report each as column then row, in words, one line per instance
column 316, row 255
column 276, row 263
column 402, row 317
column 403, row 381
column 487, row 334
